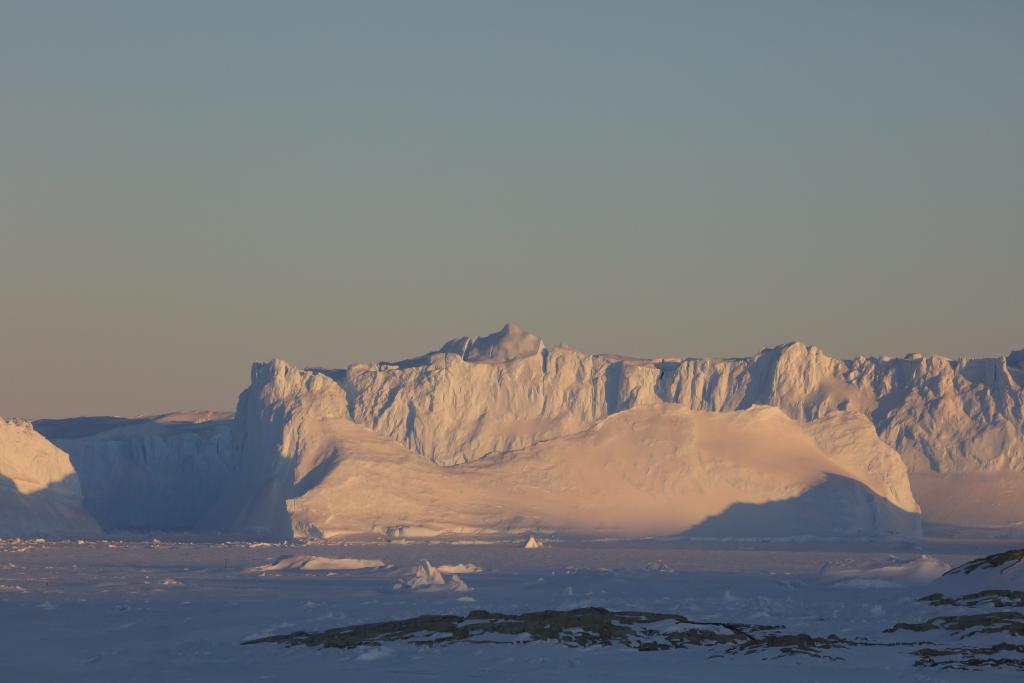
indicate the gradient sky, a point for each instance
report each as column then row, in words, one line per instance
column 186, row 187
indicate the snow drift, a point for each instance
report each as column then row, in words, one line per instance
column 316, row 563
column 917, row 571
column 39, row 491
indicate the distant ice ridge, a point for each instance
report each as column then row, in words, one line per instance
column 39, row 491
column 149, row 473
column 489, row 407
column 508, row 390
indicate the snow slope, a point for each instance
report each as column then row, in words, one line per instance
column 975, row 503
column 39, row 492
column 303, row 466
column 508, row 390
column 149, row 473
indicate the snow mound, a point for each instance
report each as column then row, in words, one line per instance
column 39, row 489
column 313, row 563
column 508, row 344
column 427, row 578
column 917, row 571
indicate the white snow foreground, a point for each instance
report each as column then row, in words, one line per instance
column 132, row 608
column 304, row 468
column 39, row 491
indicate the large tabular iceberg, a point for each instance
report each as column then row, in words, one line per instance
column 501, row 433
column 303, row 466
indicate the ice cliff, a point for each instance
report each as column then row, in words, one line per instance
column 159, row 473
column 39, row 492
column 508, row 390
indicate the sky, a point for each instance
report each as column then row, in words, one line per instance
column 187, row 187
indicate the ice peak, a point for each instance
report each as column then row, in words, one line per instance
column 509, row 343
column 793, row 348
column 264, row 372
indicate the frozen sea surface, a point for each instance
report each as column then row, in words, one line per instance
column 179, row 611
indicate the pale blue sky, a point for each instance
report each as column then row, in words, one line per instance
column 186, row 187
